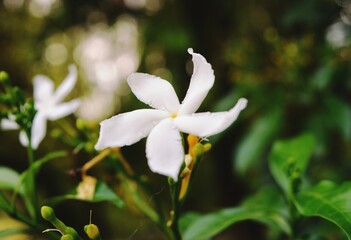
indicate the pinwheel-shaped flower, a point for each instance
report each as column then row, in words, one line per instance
column 49, row 106
column 163, row 124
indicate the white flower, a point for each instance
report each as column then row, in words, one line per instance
column 163, row 124
column 48, row 104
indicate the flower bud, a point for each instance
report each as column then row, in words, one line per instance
column 4, row 78
column 198, row 149
column 207, row 147
column 80, row 124
column 56, row 133
column 192, row 140
column 92, row 231
column 48, row 213
column 67, row 237
column 71, row 231
column 18, row 96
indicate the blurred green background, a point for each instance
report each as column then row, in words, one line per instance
column 290, row 59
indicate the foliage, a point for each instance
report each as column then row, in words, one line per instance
column 281, row 172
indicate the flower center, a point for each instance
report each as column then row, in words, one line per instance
column 173, row 115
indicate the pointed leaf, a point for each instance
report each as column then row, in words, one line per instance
column 266, row 207
column 9, row 178
column 7, row 232
column 330, row 201
column 256, row 141
column 289, row 159
column 187, row 219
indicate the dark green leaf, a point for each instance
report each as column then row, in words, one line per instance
column 288, row 161
column 329, row 201
column 266, row 207
column 339, row 116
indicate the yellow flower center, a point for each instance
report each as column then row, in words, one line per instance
column 173, row 115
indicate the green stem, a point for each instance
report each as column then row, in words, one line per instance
column 175, row 213
column 31, row 178
column 13, row 213
column 156, row 215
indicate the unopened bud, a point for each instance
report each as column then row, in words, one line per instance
column 18, row 95
column 192, row 140
column 4, row 78
column 56, row 133
column 48, row 213
column 67, row 237
column 198, row 149
column 71, row 231
column 89, row 146
column 92, row 231
column 207, row 147
column 80, row 124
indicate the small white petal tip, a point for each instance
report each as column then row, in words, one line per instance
column 190, row 51
column 72, row 68
column 242, row 103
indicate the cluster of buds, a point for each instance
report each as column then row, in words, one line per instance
column 191, row 160
column 18, row 110
column 68, row 233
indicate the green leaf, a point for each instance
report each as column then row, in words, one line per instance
column 24, row 186
column 7, row 232
column 50, row 156
column 102, row 193
column 186, row 220
column 256, row 141
column 338, row 116
column 9, row 178
column 330, row 201
column 288, row 161
column 266, row 207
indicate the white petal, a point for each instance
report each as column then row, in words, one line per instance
column 67, row 84
column 208, row 124
column 43, row 88
column 154, row 91
column 128, row 128
column 164, row 149
column 63, row 109
column 38, row 129
column 23, row 138
column 201, row 82
column 8, row 124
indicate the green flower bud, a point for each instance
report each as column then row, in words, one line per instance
column 92, row 231
column 6, row 99
column 18, row 96
column 198, row 149
column 4, row 78
column 48, row 213
column 67, row 237
column 89, row 147
column 80, row 124
column 71, row 231
column 207, row 147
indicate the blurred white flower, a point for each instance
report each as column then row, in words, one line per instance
column 163, row 124
column 106, row 55
column 337, row 34
column 49, row 106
